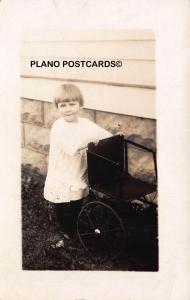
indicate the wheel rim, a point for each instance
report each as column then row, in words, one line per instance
column 100, row 230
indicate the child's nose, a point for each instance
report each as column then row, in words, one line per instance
column 67, row 108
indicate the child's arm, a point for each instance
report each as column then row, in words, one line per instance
column 97, row 133
column 55, row 147
column 103, row 133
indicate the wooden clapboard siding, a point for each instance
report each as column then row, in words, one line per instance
column 118, row 99
column 143, row 50
column 87, row 35
column 127, row 90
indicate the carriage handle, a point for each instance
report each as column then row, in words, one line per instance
column 146, row 149
column 104, row 158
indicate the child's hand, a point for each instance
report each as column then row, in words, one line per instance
column 120, row 133
column 82, row 148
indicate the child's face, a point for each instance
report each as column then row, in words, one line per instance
column 69, row 110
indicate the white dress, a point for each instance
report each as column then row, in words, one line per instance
column 67, row 170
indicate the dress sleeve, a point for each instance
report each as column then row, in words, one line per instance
column 98, row 133
column 55, row 148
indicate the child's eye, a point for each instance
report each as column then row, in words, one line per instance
column 62, row 105
column 72, row 103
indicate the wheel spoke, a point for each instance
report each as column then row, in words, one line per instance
column 117, row 229
column 87, row 233
column 91, row 223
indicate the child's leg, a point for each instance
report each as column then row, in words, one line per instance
column 50, row 209
column 63, row 215
column 75, row 207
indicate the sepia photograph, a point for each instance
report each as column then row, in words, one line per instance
column 94, row 150
column 89, row 151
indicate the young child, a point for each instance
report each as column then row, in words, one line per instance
column 66, row 182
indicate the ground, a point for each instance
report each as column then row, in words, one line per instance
column 45, row 247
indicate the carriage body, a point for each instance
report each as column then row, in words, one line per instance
column 102, row 221
column 108, row 169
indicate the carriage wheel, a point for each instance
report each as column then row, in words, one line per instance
column 100, row 230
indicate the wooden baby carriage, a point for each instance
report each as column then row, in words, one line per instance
column 103, row 222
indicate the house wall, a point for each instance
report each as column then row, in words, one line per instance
column 116, row 99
